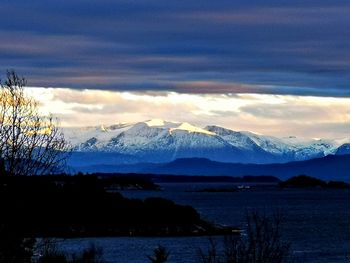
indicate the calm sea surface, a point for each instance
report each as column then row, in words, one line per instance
column 317, row 223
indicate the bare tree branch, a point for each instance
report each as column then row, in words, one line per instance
column 30, row 144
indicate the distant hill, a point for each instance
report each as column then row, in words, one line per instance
column 343, row 149
column 331, row 167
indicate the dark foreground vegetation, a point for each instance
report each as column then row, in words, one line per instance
column 80, row 206
column 48, row 253
column 262, row 243
column 304, row 181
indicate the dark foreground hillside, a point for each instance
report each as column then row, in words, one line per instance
column 62, row 207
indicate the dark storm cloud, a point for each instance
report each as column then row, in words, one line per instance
column 276, row 47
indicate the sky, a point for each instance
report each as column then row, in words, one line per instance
column 274, row 66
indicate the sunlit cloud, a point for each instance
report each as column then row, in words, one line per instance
column 280, row 115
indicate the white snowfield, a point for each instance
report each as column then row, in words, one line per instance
column 190, row 128
column 161, row 141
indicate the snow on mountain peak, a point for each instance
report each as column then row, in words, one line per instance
column 190, row 128
column 155, row 122
column 158, row 140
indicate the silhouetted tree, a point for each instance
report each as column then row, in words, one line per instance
column 92, row 254
column 262, row 244
column 13, row 247
column 160, row 255
column 30, row 144
column 51, row 254
column 2, row 167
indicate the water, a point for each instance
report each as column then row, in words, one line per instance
column 317, row 223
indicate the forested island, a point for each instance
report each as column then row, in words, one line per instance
column 304, row 181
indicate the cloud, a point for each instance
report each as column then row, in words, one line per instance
column 85, row 96
column 297, row 47
column 279, row 115
column 286, row 111
column 273, row 15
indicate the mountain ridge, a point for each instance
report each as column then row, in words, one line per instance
column 322, row 168
column 159, row 141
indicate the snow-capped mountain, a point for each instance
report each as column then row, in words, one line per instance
column 294, row 149
column 159, row 141
column 343, row 149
